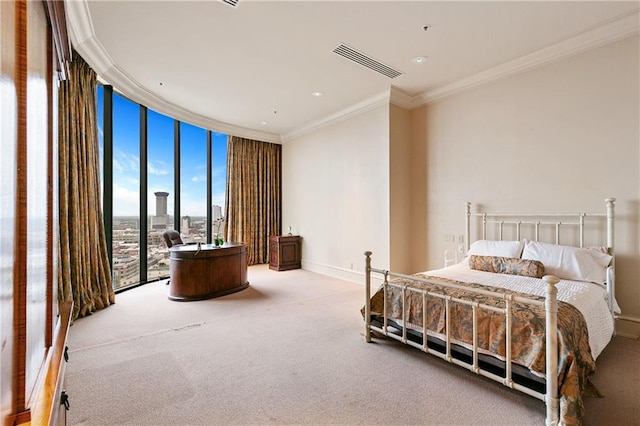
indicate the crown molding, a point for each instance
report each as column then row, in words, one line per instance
column 392, row 96
column 127, row 86
column 81, row 27
column 401, row 99
column 84, row 40
column 357, row 109
column 615, row 29
column 92, row 51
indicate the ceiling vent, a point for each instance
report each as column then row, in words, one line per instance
column 364, row 60
column 232, row 3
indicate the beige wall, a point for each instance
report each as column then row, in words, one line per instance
column 400, row 190
column 335, row 193
column 560, row 138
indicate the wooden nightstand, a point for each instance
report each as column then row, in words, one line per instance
column 284, row 252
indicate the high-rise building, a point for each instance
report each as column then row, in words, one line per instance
column 217, row 212
column 185, row 228
column 161, row 203
column 161, row 219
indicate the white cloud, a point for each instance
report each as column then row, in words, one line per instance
column 128, row 162
column 158, row 168
column 117, row 167
column 126, row 202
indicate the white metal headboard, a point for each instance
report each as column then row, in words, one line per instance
column 550, row 219
column 538, row 220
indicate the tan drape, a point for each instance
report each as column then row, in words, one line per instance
column 83, row 272
column 253, row 195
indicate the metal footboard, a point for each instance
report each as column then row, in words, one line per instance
column 550, row 397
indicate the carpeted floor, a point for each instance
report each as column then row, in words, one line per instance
column 290, row 350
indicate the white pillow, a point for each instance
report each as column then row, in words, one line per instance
column 496, row 248
column 569, row 263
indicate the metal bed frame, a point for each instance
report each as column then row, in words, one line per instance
column 550, row 396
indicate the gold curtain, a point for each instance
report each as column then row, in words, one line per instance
column 253, row 195
column 83, row 272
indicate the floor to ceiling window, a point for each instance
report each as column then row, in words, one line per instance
column 100, row 119
column 160, row 194
column 138, row 153
column 218, row 181
column 193, row 183
column 126, row 192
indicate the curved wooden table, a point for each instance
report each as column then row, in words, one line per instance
column 213, row 271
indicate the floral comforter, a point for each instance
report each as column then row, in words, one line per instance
column 575, row 362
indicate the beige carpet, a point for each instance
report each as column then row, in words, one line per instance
column 289, row 350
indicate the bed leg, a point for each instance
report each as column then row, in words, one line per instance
column 367, row 302
column 551, row 310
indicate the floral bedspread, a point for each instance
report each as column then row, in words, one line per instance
column 575, row 362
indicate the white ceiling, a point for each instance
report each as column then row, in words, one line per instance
column 231, row 69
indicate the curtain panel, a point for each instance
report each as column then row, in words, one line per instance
column 253, row 197
column 83, row 274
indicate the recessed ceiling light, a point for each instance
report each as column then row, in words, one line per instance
column 264, row 122
column 419, row 60
column 316, row 94
column 161, row 84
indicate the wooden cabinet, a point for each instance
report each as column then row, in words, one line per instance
column 284, row 252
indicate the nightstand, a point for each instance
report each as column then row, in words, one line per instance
column 284, row 252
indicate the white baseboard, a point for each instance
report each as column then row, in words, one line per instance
column 337, row 272
column 628, row 326
column 628, row 318
column 628, row 335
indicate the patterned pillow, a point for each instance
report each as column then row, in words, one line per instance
column 507, row 265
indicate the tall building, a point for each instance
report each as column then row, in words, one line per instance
column 161, row 203
column 185, row 228
column 161, row 219
column 217, row 212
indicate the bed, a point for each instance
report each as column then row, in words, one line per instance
column 514, row 307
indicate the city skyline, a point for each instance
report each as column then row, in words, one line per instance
column 160, row 156
column 126, row 239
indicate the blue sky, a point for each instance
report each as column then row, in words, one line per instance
column 193, row 157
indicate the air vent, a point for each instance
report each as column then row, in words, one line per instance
column 364, row 60
column 232, row 3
